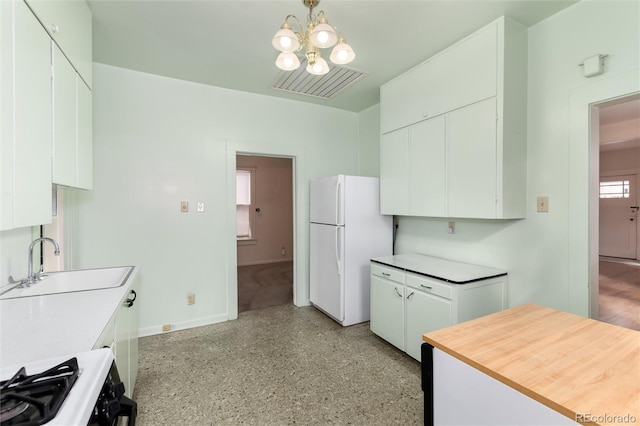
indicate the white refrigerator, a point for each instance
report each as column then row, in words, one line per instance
column 346, row 231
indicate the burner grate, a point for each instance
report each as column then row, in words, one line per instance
column 35, row 400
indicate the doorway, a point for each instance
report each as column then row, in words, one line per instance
column 264, row 219
column 618, row 205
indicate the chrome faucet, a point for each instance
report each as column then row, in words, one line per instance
column 33, row 277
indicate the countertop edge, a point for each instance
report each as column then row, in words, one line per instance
column 450, row 281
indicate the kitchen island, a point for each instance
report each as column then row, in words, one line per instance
column 532, row 365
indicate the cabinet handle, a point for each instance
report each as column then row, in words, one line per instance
column 410, row 295
column 386, row 275
column 55, row 28
column 130, row 301
column 397, row 292
column 425, row 287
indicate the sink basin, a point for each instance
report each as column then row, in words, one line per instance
column 70, row 281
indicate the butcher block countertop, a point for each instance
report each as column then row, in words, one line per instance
column 573, row 365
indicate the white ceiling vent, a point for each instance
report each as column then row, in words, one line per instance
column 320, row 86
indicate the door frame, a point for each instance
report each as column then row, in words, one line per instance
column 300, row 231
column 584, row 184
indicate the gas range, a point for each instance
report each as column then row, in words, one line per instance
column 81, row 389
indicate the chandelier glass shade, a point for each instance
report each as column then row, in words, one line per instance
column 319, row 34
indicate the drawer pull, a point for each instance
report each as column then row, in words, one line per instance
column 426, row 287
column 386, row 275
column 397, row 292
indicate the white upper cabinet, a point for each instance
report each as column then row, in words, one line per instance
column 45, row 109
column 412, row 170
column 84, row 135
column 68, row 22
column 25, row 106
column 72, row 123
column 462, row 117
column 471, row 160
column 458, row 76
column 64, row 119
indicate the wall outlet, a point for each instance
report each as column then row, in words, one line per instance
column 184, row 206
column 451, row 229
column 166, row 327
column 543, row 204
column 191, row 299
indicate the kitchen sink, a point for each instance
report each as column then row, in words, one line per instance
column 71, row 281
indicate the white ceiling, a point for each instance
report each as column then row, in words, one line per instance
column 228, row 43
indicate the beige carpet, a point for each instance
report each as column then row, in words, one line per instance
column 261, row 286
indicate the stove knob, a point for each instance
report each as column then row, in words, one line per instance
column 112, row 408
column 118, row 389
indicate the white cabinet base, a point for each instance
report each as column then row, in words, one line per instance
column 463, row 395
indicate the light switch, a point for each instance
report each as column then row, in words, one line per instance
column 184, row 206
column 200, row 206
column 543, row 204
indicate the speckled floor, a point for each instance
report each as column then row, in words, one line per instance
column 276, row 366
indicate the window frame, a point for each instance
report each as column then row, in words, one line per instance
column 251, row 239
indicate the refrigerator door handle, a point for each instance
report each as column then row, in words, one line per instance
column 338, row 250
column 338, row 203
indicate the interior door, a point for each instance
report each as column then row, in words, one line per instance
column 618, row 216
column 326, row 262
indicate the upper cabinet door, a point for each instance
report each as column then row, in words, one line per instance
column 68, row 22
column 471, row 161
column 427, row 168
column 84, row 134
column 394, row 173
column 64, row 119
column 465, row 73
column 32, row 120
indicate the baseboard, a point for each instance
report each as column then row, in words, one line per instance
column 263, row 262
column 157, row 329
column 633, row 262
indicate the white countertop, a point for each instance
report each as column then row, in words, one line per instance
column 442, row 269
column 39, row 327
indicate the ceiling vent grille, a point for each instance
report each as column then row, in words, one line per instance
column 320, row 86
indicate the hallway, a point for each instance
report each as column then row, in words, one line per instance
column 619, row 297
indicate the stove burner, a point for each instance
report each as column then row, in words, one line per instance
column 12, row 410
column 35, row 400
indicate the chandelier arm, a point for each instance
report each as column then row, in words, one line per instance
column 300, row 32
column 300, row 27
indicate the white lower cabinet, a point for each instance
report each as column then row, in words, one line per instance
column 121, row 335
column 387, row 301
column 424, row 313
column 405, row 305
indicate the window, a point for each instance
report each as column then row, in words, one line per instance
column 244, row 196
column 614, row 189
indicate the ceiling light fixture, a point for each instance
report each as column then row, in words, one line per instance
column 319, row 34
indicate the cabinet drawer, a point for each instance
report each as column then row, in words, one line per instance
column 388, row 273
column 430, row 286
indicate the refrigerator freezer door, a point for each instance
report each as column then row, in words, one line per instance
column 326, row 264
column 326, row 203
